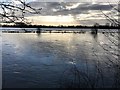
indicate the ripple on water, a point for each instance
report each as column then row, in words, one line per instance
column 7, row 44
column 7, row 53
column 16, row 72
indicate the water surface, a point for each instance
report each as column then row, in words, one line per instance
column 51, row 60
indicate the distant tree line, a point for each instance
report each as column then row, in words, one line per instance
column 44, row 26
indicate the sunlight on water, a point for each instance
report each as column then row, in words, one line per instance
column 54, row 60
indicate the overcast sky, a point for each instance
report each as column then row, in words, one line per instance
column 71, row 12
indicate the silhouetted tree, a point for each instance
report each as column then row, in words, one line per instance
column 11, row 12
column 114, row 40
column 95, row 29
column 112, row 19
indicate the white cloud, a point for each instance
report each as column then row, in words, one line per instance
column 71, row 13
column 80, row 1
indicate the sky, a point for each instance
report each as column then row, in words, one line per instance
column 71, row 12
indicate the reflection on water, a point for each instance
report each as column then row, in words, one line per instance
column 58, row 60
column 0, row 60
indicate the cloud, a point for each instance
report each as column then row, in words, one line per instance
column 82, row 12
column 79, row 1
column 61, row 8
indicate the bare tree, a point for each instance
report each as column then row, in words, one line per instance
column 113, row 38
column 116, row 9
column 11, row 12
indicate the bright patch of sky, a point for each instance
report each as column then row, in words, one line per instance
column 73, row 6
column 85, row 13
column 53, row 20
column 70, row 12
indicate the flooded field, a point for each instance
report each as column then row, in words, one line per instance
column 60, row 60
column 0, row 60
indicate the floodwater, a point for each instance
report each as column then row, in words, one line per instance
column 0, row 60
column 60, row 60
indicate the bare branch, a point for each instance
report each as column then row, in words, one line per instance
column 13, row 13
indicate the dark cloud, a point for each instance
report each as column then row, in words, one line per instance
column 92, row 21
column 94, row 7
column 83, row 9
column 102, row 7
column 60, row 8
